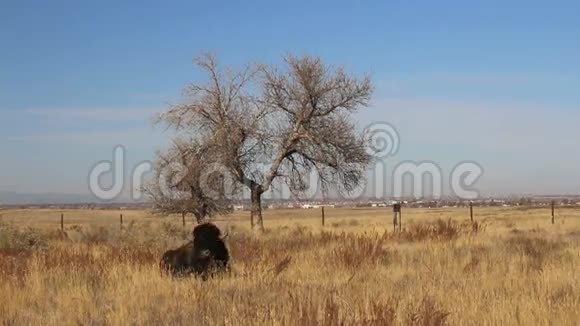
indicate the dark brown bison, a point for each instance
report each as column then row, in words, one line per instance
column 177, row 262
column 204, row 256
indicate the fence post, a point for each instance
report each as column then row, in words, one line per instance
column 183, row 218
column 62, row 221
column 397, row 217
column 401, row 220
column 553, row 204
column 471, row 211
column 121, row 220
column 322, row 215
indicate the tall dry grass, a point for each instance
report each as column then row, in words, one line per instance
column 433, row 273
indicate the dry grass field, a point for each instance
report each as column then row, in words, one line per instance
column 511, row 267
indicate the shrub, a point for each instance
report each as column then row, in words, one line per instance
column 355, row 251
column 15, row 239
column 439, row 230
column 428, row 313
column 306, row 310
column 537, row 250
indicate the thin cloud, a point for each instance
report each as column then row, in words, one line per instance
column 142, row 137
column 95, row 114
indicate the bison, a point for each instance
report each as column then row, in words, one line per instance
column 204, row 256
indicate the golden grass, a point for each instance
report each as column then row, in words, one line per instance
column 514, row 268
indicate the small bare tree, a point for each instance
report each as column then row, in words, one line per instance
column 298, row 121
column 182, row 186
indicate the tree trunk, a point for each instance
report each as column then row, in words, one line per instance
column 199, row 218
column 200, row 214
column 256, row 212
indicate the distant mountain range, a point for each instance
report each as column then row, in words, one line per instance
column 16, row 198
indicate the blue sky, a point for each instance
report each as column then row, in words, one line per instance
column 489, row 81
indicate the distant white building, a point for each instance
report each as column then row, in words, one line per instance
column 312, row 206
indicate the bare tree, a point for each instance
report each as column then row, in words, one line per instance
column 181, row 184
column 298, row 121
column 313, row 129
